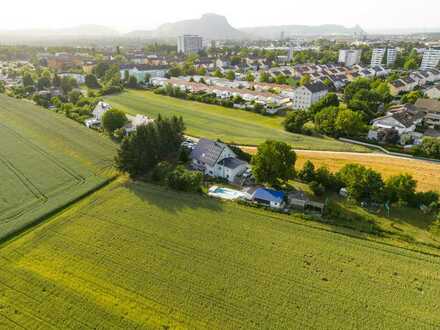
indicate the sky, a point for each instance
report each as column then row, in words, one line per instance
column 128, row 15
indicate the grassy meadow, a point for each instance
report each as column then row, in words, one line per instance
column 139, row 256
column 46, row 160
column 216, row 122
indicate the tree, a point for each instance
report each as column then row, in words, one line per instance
column 250, row 77
column 307, row 174
column 305, row 80
column 56, row 81
column 217, row 73
column 355, row 86
column 183, row 180
column 113, row 119
column 388, row 136
column 2, row 87
column 100, row 69
column 27, row 80
column 74, row 96
column 295, row 121
column 230, row 75
column 325, row 120
column 92, row 82
column 142, row 150
column 411, row 97
column 430, row 147
column 43, row 83
column 132, row 82
column 330, row 100
column 67, row 84
column 362, row 184
column 401, row 188
column 349, row 123
column 264, row 77
column 274, row 162
column 411, row 64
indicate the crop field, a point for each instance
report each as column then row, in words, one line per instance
column 426, row 173
column 140, row 256
column 215, row 122
column 46, row 160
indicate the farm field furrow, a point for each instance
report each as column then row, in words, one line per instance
column 215, row 122
column 134, row 255
column 46, row 160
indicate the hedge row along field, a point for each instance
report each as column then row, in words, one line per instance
column 140, row 256
column 216, row 122
column 46, row 160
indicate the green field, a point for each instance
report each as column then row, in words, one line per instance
column 215, row 122
column 46, row 160
column 140, row 256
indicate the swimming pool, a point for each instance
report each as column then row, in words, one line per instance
column 225, row 193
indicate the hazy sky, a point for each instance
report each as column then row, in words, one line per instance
column 134, row 14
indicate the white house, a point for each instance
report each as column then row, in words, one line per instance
column 403, row 122
column 216, row 159
column 79, row 78
column 97, row 113
column 305, row 96
column 135, row 121
column 139, row 71
column 433, row 92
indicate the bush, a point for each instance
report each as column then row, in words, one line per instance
column 317, row 188
column 307, row 174
column 161, row 171
column 183, row 180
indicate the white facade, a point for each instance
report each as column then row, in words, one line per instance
column 389, row 122
column 377, row 56
column 303, row 98
column 188, row 44
column 431, row 59
column 433, row 93
column 80, row 78
column 350, row 57
column 391, row 56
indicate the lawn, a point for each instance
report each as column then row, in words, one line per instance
column 215, row 122
column 139, row 256
column 426, row 173
column 46, row 160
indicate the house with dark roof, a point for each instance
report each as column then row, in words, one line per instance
column 216, row 159
column 432, row 110
column 404, row 122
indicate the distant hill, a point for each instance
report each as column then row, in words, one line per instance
column 209, row 26
column 274, row 32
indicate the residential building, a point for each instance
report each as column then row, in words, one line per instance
column 391, row 56
column 350, row 57
column 305, row 96
column 135, row 121
column 432, row 110
column 268, row 197
column 188, row 44
column 377, row 56
column 97, row 113
column 79, row 78
column 433, row 92
column 404, row 121
column 216, row 159
column 139, row 71
column 431, row 59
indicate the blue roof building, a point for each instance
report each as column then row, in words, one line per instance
column 269, row 197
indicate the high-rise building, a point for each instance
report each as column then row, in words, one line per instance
column 377, row 56
column 431, row 58
column 391, row 56
column 188, row 44
column 350, row 57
